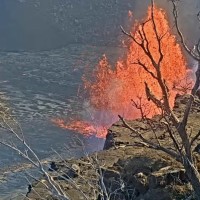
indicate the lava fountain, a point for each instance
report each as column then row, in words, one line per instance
column 110, row 91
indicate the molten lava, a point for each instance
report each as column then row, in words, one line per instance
column 113, row 91
column 82, row 127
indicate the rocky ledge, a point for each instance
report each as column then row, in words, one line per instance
column 126, row 169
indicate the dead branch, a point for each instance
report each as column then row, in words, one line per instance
column 194, row 138
column 145, row 68
column 144, row 111
column 175, row 142
column 192, row 53
column 149, row 143
column 156, row 33
column 35, row 161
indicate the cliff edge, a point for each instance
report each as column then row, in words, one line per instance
column 127, row 169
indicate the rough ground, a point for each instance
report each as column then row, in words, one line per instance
column 130, row 170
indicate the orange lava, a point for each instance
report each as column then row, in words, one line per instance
column 83, row 127
column 110, row 90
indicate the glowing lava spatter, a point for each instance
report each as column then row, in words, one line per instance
column 83, row 127
column 110, row 90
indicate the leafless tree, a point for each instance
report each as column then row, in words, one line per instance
column 12, row 126
column 51, row 181
column 176, row 128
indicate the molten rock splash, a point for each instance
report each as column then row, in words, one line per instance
column 120, row 90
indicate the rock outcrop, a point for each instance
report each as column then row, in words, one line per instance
column 127, row 169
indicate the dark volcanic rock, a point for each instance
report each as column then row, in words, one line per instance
column 109, row 143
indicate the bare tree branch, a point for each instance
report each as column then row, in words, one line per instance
column 150, row 144
column 189, row 51
column 194, row 138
